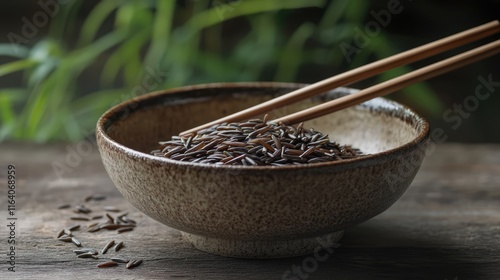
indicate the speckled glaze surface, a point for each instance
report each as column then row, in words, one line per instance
column 260, row 212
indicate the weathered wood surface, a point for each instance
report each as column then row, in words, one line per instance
column 446, row 226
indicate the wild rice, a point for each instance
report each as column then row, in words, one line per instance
column 111, row 209
column 75, row 218
column 113, row 226
column 65, row 238
column 125, row 229
column 118, row 246
column 74, row 227
column 107, row 246
column 87, row 255
column 107, row 264
column 120, row 260
column 76, row 241
column 122, row 215
column 92, row 225
column 95, row 197
column 94, row 229
column 81, row 209
column 127, row 220
column 133, row 263
column 85, row 250
column 255, row 142
column 110, row 218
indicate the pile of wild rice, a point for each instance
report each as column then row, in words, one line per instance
column 255, row 142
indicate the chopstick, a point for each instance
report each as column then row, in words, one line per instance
column 393, row 84
column 361, row 73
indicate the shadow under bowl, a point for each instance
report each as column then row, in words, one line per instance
column 260, row 211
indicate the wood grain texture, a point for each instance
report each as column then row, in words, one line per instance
column 446, row 226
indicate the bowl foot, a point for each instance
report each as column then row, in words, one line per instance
column 264, row 249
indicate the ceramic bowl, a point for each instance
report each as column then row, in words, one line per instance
column 260, row 211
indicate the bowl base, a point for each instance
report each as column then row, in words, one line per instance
column 264, row 249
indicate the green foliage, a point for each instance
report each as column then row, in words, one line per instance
column 198, row 42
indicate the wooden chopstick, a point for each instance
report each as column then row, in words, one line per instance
column 361, row 73
column 394, row 84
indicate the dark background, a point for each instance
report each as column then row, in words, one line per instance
column 419, row 22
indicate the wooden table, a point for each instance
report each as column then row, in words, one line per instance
column 446, row 226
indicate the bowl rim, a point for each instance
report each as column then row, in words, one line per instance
column 363, row 160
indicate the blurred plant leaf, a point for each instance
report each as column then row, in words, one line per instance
column 54, row 90
column 118, row 59
column 14, row 50
column 218, row 69
column 87, row 108
column 41, row 71
column 39, row 103
column 356, row 11
column 46, row 49
column 225, row 11
column 71, row 127
column 95, row 20
column 333, row 14
column 103, row 98
column 161, row 31
column 81, row 58
column 15, row 66
column 290, row 58
column 64, row 20
column 47, row 53
column 10, row 98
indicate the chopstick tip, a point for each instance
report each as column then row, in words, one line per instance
column 187, row 133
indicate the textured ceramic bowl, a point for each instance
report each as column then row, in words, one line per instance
column 260, row 211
